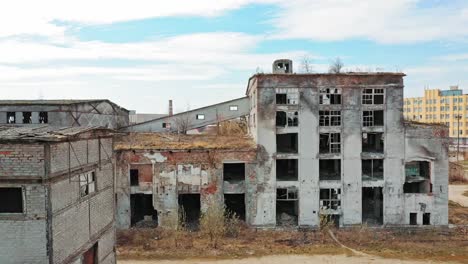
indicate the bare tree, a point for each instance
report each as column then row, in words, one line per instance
column 182, row 121
column 336, row 66
column 306, row 64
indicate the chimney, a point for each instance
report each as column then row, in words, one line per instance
column 171, row 112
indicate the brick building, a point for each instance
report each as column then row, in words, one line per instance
column 56, row 195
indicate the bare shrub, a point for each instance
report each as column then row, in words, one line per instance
column 212, row 223
column 233, row 224
column 178, row 226
column 336, row 66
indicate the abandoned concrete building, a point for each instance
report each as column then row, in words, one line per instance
column 57, row 195
column 64, row 113
column 331, row 146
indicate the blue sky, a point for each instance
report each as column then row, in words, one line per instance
column 142, row 53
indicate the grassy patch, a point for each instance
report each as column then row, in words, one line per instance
column 465, row 193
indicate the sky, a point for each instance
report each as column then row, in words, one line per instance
column 141, row 53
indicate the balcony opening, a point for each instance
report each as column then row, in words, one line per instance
column 372, row 206
column 235, row 203
column 142, row 212
column 373, row 118
column 286, row 170
column 330, row 169
column 234, row 172
column 287, row 143
column 372, row 169
column 373, row 142
column 418, row 177
column 191, row 205
column 287, row 207
column 330, row 143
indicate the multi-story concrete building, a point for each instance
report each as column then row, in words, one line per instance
column 56, row 195
column 63, row 113
column 449, row 107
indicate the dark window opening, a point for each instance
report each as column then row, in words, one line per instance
column 413, row 218
column 286, row 169
column 330, row 143
column 286, row 143
column 372, row 206
column 91, row 255
column 373, row 142
column 372, row 169
column 166, row 125
column 418, row 177
column 190, row 204
column 287, row 207
column 11, row 117
column 234, row 172
column 43, row 117
column 235, row 204
column 330, row 199
column 289, row 119
column 329, row 169
column 281, row 99
column 27, row 118
column 426, row 219
column 200, row 117
column 134, row 177
column 330, row 118
column 373, row 118
column 142, row 211
column 330, row 96
column 11, row 200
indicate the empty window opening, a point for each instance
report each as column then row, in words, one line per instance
column 418, row 177
column 413, row 218
column 372, row 206
column 373, row 118
column 287, row 119
column 330, row 169
column 11, row 200
column 373, row 142
column 281, row 99
column 234, row 172
column 190, row 203
column 233, row 108
column 142, row 212
column 200, row 117
column 11, row 117
column 330, row 96
column 235, row 204
column 91, row 255
column 330, row 143
column 87, row 183
column 134, row 177
column 426, row 219
column 287, row 207
column 43, row 117
column 286, row 169
column 166, row 125
column 373, row 96
column 330, row 118
column 372, row 169
column 330, row 199
column 27, row 118
column 287, row 96
column 286, row 143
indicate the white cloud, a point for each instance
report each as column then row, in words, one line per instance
column 454, row 57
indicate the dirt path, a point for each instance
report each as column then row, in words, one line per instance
column 292, row 259
column 456, row 194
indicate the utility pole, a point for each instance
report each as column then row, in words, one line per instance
column 458, row 117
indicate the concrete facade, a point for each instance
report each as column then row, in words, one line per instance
column 61, row 181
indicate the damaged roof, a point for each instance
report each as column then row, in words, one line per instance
column 57, row 102
column 45, row 133
column 167, row 141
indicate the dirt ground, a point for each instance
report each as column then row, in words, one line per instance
column 290, row 259
column 456, row 194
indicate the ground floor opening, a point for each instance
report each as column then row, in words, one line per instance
column 142, row 211
column 372, row 205
column 235, row 203
column 190, row 204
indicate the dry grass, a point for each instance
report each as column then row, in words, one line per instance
column 458, row 214
column 465, row 193
column 425, row 244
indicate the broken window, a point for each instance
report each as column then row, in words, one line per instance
column 190, row 204
column 142, row 212
column 27, row 118
column 289, row 119
column 373, row 142
column 234, row 172
column 330, row 96
column 373, row 96
column 330, row 199
column 287, row 96
column 286, row 143
column 43, row 117
column 330, row 143
column 287, row 207
column 200, row 117
column 426, row 219
column 233, row 108
column 166, row 125
column 235, row 204
column 373, row 118
column 11, row 117
column 418, row 177
column 286, row 170
column 372, row 205
column 134, row 181
column 330, row 118
column 329, row 169
column 413, row 218
column 11, row 200
column 372, row 169
column 87, row 183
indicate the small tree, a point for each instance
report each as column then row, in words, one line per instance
column 306, row 64
column 212, row 223
column 182, row 123
column 336, row 66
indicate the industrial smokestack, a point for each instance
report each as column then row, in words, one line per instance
column 171, row 112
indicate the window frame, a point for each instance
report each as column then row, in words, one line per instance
column 369, row 96
column 86, row 181
column 23, row 200
column 329, row 118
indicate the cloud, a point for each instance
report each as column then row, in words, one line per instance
column 454, row 57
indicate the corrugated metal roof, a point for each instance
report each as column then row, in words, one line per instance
column 42, row 132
